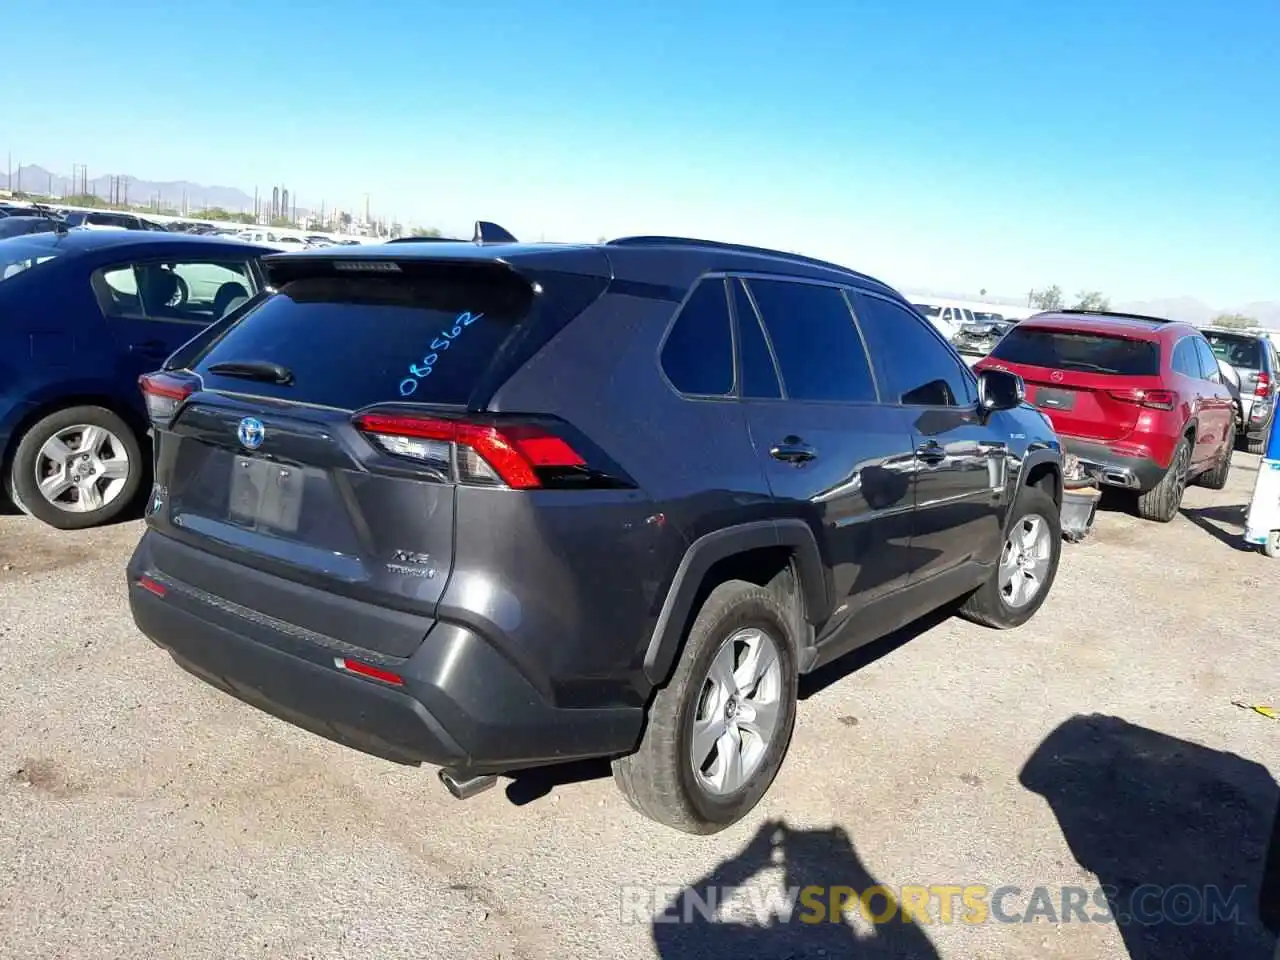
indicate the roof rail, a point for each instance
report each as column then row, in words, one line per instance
column 658, row 241
column 487, row 232
column 1120, row 315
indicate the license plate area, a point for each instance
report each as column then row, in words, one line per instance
column 1049, row 398
column 265, row 494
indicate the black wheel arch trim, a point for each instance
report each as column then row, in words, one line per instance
column 1033, row 459
column 710, row 549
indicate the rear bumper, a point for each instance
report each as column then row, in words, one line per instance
column 1113, row 469
column 461, row 703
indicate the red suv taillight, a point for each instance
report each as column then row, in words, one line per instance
column 514, row 455
column 1155, row 399
column 164, row 393
column 1262, row 384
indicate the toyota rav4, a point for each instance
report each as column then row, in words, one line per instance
column 493, row 506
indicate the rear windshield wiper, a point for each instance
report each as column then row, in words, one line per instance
column 263, row 370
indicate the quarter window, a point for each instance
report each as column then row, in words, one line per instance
column 698, row 354
column 915, row 367
column 812, row 330
column 1185, row 360
column 1208, row 362
column 759, row 375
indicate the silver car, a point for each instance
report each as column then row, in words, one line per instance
column 1254, row 358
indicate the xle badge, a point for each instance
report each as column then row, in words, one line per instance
column 410, row 564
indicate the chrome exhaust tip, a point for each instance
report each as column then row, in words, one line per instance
column 464, row 787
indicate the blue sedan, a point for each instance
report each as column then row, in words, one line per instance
column 85, row 313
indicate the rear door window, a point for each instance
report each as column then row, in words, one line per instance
column 697, row 356
column 819, row 351
column 915, row 367
column 352, row 341
column 179, row 291
column 1078, row 350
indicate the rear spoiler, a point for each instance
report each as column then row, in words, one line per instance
column 485, row 232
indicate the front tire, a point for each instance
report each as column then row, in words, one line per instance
column 76, row 468
column 717, row 733
column 1027, row 567
column 1255, row 445
column 1162, row 501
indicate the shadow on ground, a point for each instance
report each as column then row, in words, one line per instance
column 1176, row 833
column 706, row 921
column 1225, row 524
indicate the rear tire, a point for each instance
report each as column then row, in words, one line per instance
column 1216, row 478
column 1162, row 501
column 116, row 458
column 993, row 604
column 660, row 779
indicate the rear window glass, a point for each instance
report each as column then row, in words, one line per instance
column 1089, row 352
column 1238, row 351
column 18, row 255
column 354, row 341
column 927, row 310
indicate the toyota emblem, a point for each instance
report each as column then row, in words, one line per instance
column 251, row 433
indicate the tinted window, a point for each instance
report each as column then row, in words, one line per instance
column 1208, row 362
column 697, row 356
column 1185, row 360
column 354, row 341
column 818, row 348
column 915, row 366
column 1237, row 350
column 1070, row 350
column 759, row 376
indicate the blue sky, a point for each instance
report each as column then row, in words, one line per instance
column 1132, row 147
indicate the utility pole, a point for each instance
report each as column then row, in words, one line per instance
column 8, row 176
column 126, row 191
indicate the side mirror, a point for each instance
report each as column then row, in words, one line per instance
column 999, row 390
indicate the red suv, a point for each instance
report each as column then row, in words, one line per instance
column 1139, row 400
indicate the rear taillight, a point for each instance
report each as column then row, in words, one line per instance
column 1262, row 384
column 1155, row 399
column 164, row 394
column 514, row 455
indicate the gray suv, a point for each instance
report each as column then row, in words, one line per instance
column 496, row 506
column 1253, row 356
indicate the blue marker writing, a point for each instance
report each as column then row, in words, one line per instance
column 421, row 371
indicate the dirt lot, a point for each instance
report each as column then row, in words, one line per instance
column 143, row 814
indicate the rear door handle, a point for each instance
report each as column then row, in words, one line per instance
column 793, row 450
column 931, row 452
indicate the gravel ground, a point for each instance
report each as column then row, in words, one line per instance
column 147, row 815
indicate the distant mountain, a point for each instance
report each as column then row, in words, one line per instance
column 1191, row 310
column 36, row 179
